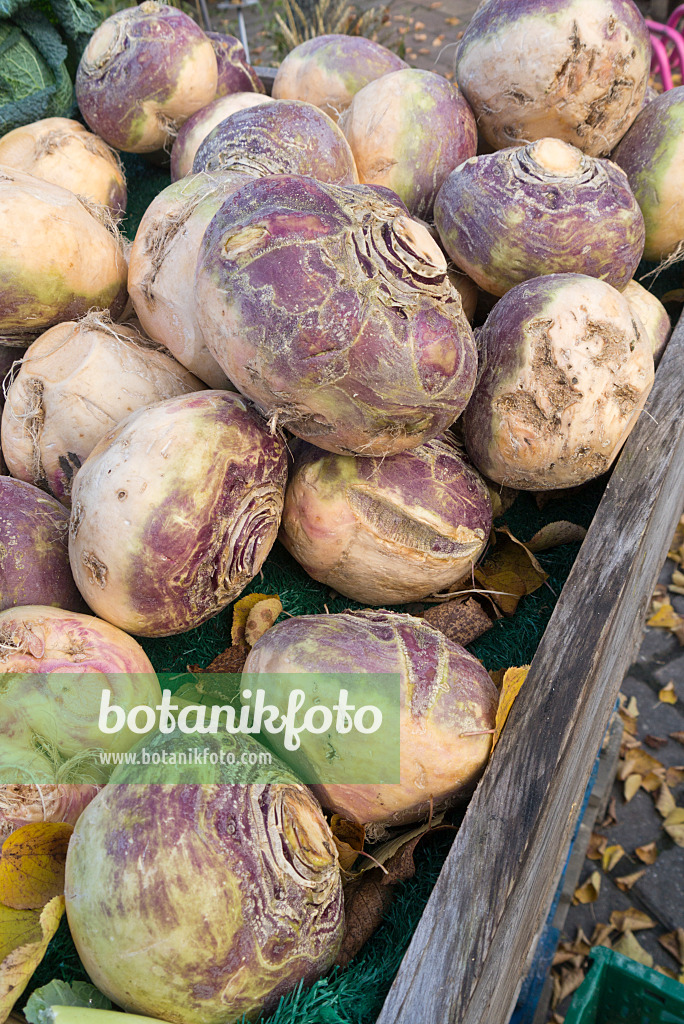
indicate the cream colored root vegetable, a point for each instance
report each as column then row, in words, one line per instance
column 162, row 263
column 652, row 314
column 76, row 382
column 59, row 257
column 65, row 153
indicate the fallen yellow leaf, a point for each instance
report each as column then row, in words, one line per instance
column 647, row 854
column 667, row 695
column 261, row 617
column 32, row 865
column 665, row 802
column 510, row 687
column 625, row 883
column 632, row 708
column 597, row 845
column 554, row 534
column 588, row 893
column 241, row 610
column 628, row 946
column 674, row 825
column 611, row 856
column 509, row 571
column 665, row 618
column 631, row 920
column 632, row 787
column 24, row 937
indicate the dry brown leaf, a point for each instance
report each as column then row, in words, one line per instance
column 611, row 856
column 611, row 814
column 627, row 882
column 667, row 695
column 651, row 782
column 665, row 618
column 631, row 920
column 509, row 571
column 241, row 614
column 569, row 981
column 673, row 942
column 632, row 707
column 554, row 534
column 366, row 900
column 628, row 946
column 461, row 621
column 231, row 661
column 655, row 742
column 639, row 761
column 24, row 937
column 589, row 891
column 512, row 682
column 674, row 825
column 597, row 844
column 453, row 21
column 665, row 802
column 679, row 736
column 632, row 787
column 629, row 724
column 349, row 838
column 674, row 776
column 648, row 853
column 384, row 852
column 599, row 936
column 32, row 865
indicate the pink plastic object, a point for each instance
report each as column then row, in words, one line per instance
column 676, row 16
column 668, row 47
column 660, row 63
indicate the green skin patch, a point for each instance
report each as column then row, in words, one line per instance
column 32, row 302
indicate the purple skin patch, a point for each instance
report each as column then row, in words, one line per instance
column 319, row 313
column 234, row 73
column 34, row 555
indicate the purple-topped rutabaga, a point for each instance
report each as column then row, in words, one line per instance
column 197, row 127
column 283, row 137
column 447, row 703
column 75, row 383
column 201, row 904
column 145, row 70
column 408, row 130
column 174, row 512
column 332, row 311
column 235, row 74
column 329, row 70
column 34, row 552
column 161, row 271
column 386, row 531
column 565, row 371
column 576, row 70
column 546, row 208
column 653, row 316
column 651, row 155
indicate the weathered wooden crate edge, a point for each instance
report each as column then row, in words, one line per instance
column 467, row 957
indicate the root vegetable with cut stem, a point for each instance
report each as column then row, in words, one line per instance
column 76, row 382
column 174, row 512
column 546, row 208
column 386, row 531
column 63, row 152
column 576, row 70
column 329, row 70
column 566, row 368
column 29, row 804
column 145, row 70
column 201, row 124
column 332, row 311
column 161, row 274
column 282, row 137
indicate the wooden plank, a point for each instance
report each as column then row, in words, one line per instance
column 466, row 958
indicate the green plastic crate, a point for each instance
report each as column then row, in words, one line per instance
column 618, row 990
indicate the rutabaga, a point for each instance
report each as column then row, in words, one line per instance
column 76, row 382
column 145, row 70
column 197, row 127
column 332, row 310
column 447, row 699
column 54, row 666
column 651, row 156
column 64, row 152
column 386, row 531
column 540, row 209
column 58, row 259
column 408, row 130
column 573, row 69
column 161, row 273
column 652, row 314
column 174, row 512
column 235, row 74
column 201, row 903
column 329, row 70
column 565, row 371
column 34, row 554
column 283, row 137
